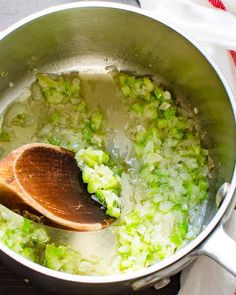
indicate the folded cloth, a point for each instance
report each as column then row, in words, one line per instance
column 213, row 24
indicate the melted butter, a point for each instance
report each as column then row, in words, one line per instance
column 101, row 91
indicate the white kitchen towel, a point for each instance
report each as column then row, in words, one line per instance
column 213, row 24
column 214, row 28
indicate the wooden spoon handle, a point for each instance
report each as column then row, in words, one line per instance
column 8, row 192
column 9, row 187
column 46, row 179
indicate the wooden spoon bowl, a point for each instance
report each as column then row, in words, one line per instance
column 45, row 179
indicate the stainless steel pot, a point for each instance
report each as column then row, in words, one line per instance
column 96, row 35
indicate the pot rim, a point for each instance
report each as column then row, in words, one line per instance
column 227, row 200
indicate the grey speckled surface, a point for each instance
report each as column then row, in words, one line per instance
column 13, row 10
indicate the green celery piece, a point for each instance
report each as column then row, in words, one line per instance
column 204, row 152
column 62, row 258
column 111, row 202
column 139, row 149
column 45, row 81
column 5, row 136
column 181, row 124
column 75, row 87
column 162, row 123
column 100, row 179
column 70, row 87
column 55, row 140
column 154, row 134
column 126, row 90
column 147, row 175
column 150, row 111
column 178, row 234
column 148, row 84
column 160, row 252
column 141, row 136
column 87, row 132
column 81, row 107
column 27, row 224
column 170, row 112
column 158, row 93
column 3, row 74
column 133, row 218
column 93, row 184
column 54, row 118
column 123, row 79
column 137, row 108
column 92, row 157
column 26, row 239
column 19, row 118
column 96, row 120
column 203, row 184
column 177, row 133
column 130, row 80
column 53, row 96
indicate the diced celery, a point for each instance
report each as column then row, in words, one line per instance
column 133, row 218
column 130, row 80
column 45, row 81
column 62, row 258
column 158, row 94
column 179, row 233
column 87, row 132
column 164, row 106
column 166, row 95
column 87, row 174
column 100, row 179
column 148, row 84
column 5, row 136
column 55, row 140
column 150, row 111
column 19, row 119
column 176, row 133
column 91, row 157
column 97, row 139
column 141, row 136
column 54, row 118
column 203, row 184
column 53, row 96
column 81, row 107
column 111, row 202
column 72, row 88
column 96, row 120
column 126, row 90
column 162, row 167
column 170, row 112
column 139, row 149
column 181, row 124
column 3, row 74
column 204, row 152
column 137, row 108
column 162, row 123
column 122, row 79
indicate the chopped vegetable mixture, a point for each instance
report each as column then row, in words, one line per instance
column 155, row 184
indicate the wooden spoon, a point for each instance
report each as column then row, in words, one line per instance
column 45, row 179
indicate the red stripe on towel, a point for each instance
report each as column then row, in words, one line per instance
column 233, row 54
column 217, row 4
